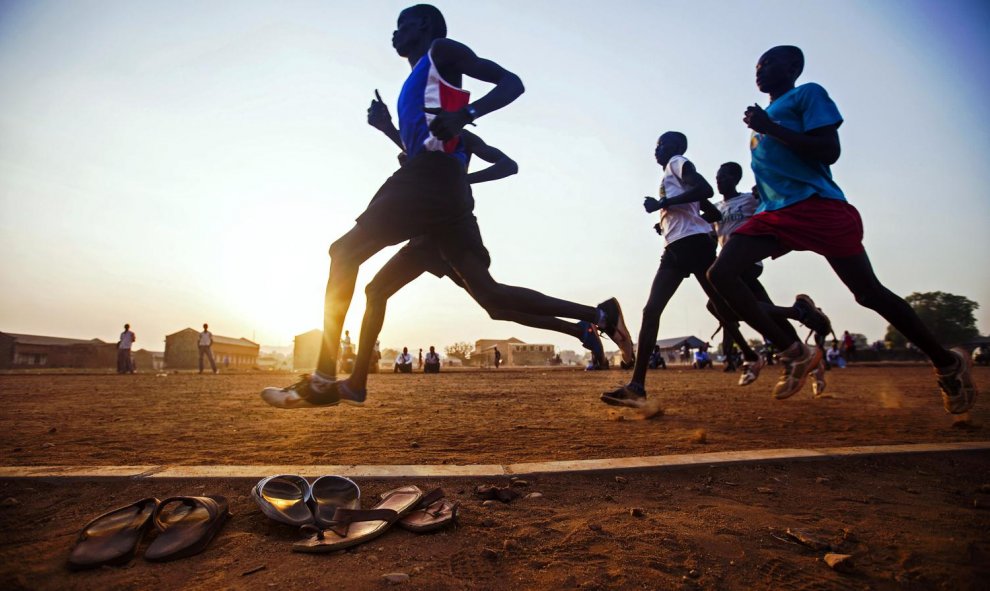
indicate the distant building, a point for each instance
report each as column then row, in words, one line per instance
column 514, row 352
column 148, row 360
column 25, row 351
column 673, row 348
column 306, row 349
column 182, row 351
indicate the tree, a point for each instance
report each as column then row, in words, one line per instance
column 949, row 317
column 461, row 351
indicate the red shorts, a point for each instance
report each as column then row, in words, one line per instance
column 829, row 227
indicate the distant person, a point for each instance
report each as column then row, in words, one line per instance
column 403, row 363
column 702, row 359
column 834, row 357
column 376, row 357
column 432, row 362
column 981, row 355
column 498, row 358
column 849, row 346
column 656, row 359
column 793, row 144
column 420, row 366
column 124, row 362
column 347, row 353
column 206, row 348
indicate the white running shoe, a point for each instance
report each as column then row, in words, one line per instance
column 751, row 371
column 797, row 365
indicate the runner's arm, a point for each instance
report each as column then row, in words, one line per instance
column 820, row 144
column 381, row 119
column 709, row 212
column 501, row 165
column 451, row 56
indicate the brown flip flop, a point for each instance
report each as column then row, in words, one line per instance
column 433, row 512
column 356, row 526
column 188, row 529
column 112, row 538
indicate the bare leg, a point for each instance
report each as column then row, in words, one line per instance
column 346, row 256
column 726, row 276
column 396, row 274
column 518, row 304
column 665, row 283
column 857, row 273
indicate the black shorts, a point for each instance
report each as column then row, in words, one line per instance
column 428, row 201
column 423, row 251
column 691, row 255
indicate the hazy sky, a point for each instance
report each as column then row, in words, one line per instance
column 173, row 163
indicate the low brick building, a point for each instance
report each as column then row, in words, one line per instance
column 514, row 352
column 182, row 351
column 306, row 349
column 26, row 351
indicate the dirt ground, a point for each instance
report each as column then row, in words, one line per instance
column 909, row 522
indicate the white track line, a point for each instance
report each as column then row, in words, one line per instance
column 487, row 470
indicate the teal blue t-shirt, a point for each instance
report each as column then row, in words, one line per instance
column 784, row 178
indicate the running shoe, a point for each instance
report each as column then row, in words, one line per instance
column 609, row 318
column 813, row 317
column 349, row 394
column 958, row 391
column 751, row 371
column 797, row 366
column 818, row 375
column 593, row 343
column 302, row 394
column 631, row 395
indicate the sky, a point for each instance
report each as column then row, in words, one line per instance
column 173, row 163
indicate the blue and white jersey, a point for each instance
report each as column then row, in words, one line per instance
column 424, row 88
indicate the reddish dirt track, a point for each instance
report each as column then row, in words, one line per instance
column 909, row 521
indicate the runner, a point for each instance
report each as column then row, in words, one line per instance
column 802, row 208
column 430, row 196
column 690, row 250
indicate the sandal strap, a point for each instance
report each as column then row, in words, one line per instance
column 431, row 497
column 343, row 518
column 207, row 503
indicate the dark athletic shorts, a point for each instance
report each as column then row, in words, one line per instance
column 691, row 255
column 424, row 253
column 829, row 227
column 429, row 197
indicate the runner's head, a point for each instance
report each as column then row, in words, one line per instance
column 778, row 69
column 127, row 327
column 670, row 144
column 418, row 26
column 727, row 177
column 205, row 326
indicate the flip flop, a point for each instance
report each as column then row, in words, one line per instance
column 284, row 498
column 330, row 493
column 432, row 513
column 356, row 526
column 112, row 538
column 188, row 529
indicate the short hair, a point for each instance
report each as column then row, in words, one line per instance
column 127, row 326
column 680, row 137
column 793, row 54
column 205, row 325
column 432, row 15
column 734, row 168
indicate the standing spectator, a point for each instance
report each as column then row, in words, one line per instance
column 403, row 363
column 420, row 366
column 376, row 356
column 432, row 363
column 124, row 362
column 849, row 346
column 498, row 358
column 206, row 348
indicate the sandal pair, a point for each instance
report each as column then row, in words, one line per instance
column 407, row 506
column 185, row 525
column 292, row 500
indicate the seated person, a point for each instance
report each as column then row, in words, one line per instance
column 833, row 357
column 981, row 355
column 656, row 359
column 431, row 364
column 701, row 358
column 403, row 363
